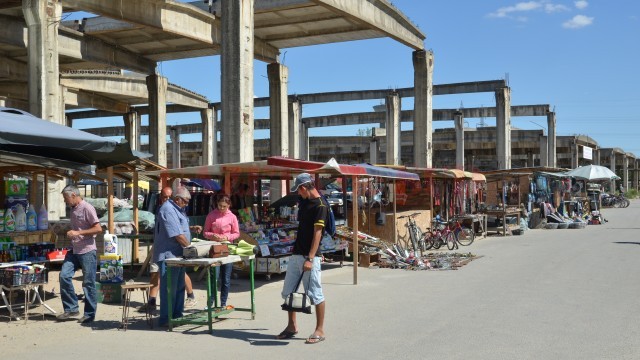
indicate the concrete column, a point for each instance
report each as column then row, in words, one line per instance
column 612, row 166
column 530, row 161
column 423, row 108
column 3, row 101
column 304, row 141
column 574, row 155
column 392, row 105
column 625, row 172
column 132, row 129
column 459, row 124
column 503, row 127
column 278, row 109
column 209, row 138
column 43, row 19
column 237, row 80
column 295, row 121
column 551, row 131
column 373, row 151
column 544, row 145
column 68, row 121
column 596, row 156
column 157, row 87
column 175, row 148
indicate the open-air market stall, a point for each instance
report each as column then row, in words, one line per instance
column 592, row 177
column 528, row 192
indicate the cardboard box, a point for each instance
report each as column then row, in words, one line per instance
column 284, row 263
column 262, row 265
column 111, row 269
column 365, row 260
column 109, row 293
column 273, row 265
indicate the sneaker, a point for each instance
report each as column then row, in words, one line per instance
column 67, row 315
column 190, row 302
column 85, row 319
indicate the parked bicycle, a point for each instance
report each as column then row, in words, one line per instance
column 450, row 233
column 415, row 234
column 464, row 235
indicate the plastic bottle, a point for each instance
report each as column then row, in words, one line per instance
column 32, row 219
column 1, row 220
column 9, row 221
column 110, row 244
column 21, row 218
column 43, row 218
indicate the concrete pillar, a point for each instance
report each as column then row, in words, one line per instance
column 295, row 122
column 625, row 171
column 3, row 101
column 503, row 127
column 132, row 129
column 392, row 124
column 175, row 148
column 43, row 19
column 157, row 87
column 68, row 121
column 612, row 166
column 304, row 141
column 237, row 80
column 530, row 161
column 574, row 155
column 459, row 124
column 544, row 145
column 596, row 156
column 423, row 108
column 278, row 109
column 373, row 151
column 551, row 133
column 209, row 137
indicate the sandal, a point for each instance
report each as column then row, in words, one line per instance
column 314, row 339
column 286, row 334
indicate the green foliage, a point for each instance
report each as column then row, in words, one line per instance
column 631, row 194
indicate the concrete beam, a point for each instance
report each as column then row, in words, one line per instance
column 81, row 46
column 173, row 17
column 13, row 31
column 131, row 86
column 84, row 99
column 380, row 16
column 13, row 70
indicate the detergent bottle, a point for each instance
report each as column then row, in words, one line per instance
column 43, row 218
column 21, row 218
column 110, row 244
column 32, row 219
column 9, row 221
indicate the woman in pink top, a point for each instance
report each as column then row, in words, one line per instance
column 222, row 225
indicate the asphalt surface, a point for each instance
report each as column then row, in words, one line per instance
column 547, row 294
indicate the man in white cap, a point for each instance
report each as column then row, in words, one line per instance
column 306, row 257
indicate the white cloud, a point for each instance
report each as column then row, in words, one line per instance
column 581, row 4
column 519, row 7
column 578, row 21
column 551, row 8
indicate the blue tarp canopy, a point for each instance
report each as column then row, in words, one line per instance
column 207, row 184
column 21, row 132
column 379, row 171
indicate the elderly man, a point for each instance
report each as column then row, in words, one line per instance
column 84, row 227
column 171, row 235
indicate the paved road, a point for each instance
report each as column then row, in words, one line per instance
column 548, row 294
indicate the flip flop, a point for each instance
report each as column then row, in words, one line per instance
column 286, row 334
column 314, row 339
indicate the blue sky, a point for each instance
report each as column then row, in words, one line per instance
column 581, row 57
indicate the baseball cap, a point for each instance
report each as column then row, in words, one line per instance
column 301, row 179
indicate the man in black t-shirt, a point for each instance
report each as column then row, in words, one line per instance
column 306, row 257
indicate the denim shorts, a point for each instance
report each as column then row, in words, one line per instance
column 311, row 279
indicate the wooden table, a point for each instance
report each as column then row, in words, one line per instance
column 206, row 316
column 503, row 214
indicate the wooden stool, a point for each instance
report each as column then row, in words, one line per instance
column 127, row 289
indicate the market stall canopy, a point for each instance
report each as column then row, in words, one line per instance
column 384, row 172
column 21, row 132
column 437, row 173
column 593, row 173
column 207, row 184
column 251, row 168
column 332, row 167
column 478, row 177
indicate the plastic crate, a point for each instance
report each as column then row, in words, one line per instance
column 17, row 277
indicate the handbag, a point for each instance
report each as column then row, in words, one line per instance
column 298, row 302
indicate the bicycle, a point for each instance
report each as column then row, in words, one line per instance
column 464, row 235
column 415, row 234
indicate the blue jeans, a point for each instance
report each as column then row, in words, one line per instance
column 89, row 265
column 176, row 292
column 224, row 277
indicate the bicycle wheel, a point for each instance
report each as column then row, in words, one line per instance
column 465, row 236
column 627, row 203
column 426, row 241
column 451, row 241
column 437, row 241
column 414, row 235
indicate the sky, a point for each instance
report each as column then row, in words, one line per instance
column 580, row 57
